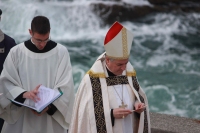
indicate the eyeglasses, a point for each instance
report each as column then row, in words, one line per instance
column 38, row 41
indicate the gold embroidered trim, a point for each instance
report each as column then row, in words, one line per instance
column 98, row 105
column 96, row 75
column 130, row 74
column 118, row 58
column 124, row 43
column 116, row 80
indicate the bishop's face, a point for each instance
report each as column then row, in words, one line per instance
column 116, row 66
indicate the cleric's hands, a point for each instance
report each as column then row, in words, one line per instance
column 41, row 113
column 139, row 107
column 32, row 94
column 120, row 113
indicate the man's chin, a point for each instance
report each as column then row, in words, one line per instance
column 119, row 73
column 40, row 48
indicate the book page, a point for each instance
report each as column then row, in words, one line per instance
column 30, row 103
column 45, row 95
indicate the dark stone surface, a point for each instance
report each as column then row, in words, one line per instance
column 120, row 11
column 167, row 2
column 162, row 123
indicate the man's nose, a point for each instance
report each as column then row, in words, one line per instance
column 43, row 43
column 123, row 67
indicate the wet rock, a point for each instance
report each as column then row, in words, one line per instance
column 120, row 11
column 168, row 2
column 110, row 13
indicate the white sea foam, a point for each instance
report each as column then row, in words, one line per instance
column 69, row 21
column 74, row 22
column 164, row 100
column 80, row 72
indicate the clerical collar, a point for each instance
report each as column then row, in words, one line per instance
column 49, row 46
column 109, row 72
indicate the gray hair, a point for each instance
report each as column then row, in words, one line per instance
column 111, row 59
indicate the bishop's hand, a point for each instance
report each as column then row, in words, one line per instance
column 120, row 113
column 139, row 107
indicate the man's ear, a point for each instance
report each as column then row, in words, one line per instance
column 30, row 32
column 107, row 59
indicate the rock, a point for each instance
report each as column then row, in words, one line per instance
column 110, row 13
column 120, row 11
column 163, row 123
column 167, row 2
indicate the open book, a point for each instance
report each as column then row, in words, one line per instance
column 46, row 95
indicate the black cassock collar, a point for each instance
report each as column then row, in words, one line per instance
column 49, row 46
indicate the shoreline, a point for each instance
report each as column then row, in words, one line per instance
column 162, row 123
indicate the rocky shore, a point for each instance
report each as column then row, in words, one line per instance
column 161, row 123
column 121, row 11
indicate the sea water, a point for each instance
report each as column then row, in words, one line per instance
column 165, row 51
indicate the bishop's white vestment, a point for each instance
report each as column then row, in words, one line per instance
column 23, row 71
column 96, row 97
